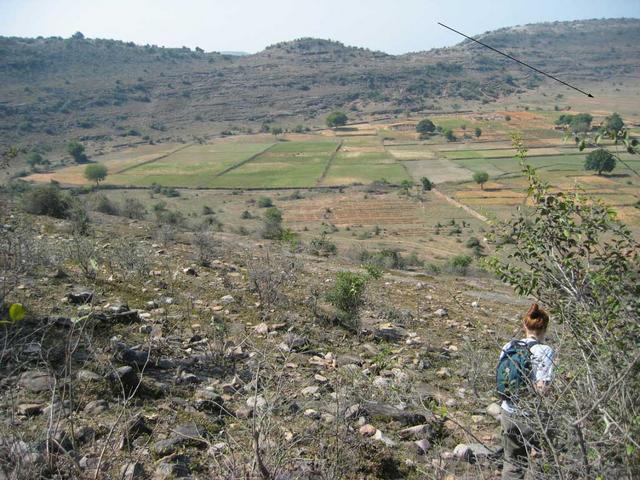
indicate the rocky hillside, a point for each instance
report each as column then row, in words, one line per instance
column 139, row 359
column 54, row 89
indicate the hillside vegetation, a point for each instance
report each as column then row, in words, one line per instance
column 116, row 92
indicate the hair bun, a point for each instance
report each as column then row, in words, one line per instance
column 534, row 311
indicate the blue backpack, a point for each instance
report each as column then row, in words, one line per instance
column 514, row 370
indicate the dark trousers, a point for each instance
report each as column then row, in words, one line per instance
column 517, row 440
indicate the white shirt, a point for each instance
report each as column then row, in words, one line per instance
column 542, row 359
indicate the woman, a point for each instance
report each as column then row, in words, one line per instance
column 517, row 434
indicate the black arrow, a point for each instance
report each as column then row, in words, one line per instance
column 516, row 60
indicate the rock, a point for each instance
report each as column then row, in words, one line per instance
column 118, row 307
column 352, row 412
column 36, row 381
column 443, row 373
column 134, row 428
column 80, row 298
column 134, row 358
column 22, row 453
column 187, row 378
column 95, row 407
column 165, row 447
column 494, row 410
column 308, row 391
column 58, row 408
column 389, row 332
column 124, row 378
column 227, row 299
column 151, row 305
column 367, row 430
column 419, row 432
column 295, row 342
column 126, row 317
column 88, row 376
column 257, row 402
column 261, row 328
column 475, row 304
column 388, row 413
column 30, row 409
column 190, row 271
column 471, row 452
column 311, row 413
column 423, row 446
column 165, row 471
column 441, row 312
column 381, row 437
column 132, row 471
column 381, row 382
column 208, row 401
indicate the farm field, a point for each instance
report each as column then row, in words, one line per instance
column 376, row 151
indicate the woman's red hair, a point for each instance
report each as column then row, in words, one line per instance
column 536, row 318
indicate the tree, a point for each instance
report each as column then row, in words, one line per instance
column 276, row 131
column 406, row 185
column 448, row 134
column 570, row 251
column 426, row 184
column 35, row 159
column 76, row 150
column 425, row 126
column 600, row 160
column 613, row 123
column 78, row 36
column 481, row 178
column 336, row 119
column 478, row 132
column 96, row 172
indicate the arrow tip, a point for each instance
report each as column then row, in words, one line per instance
column 589, row 95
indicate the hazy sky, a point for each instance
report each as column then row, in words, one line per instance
column 393, row 26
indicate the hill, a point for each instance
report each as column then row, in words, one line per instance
column 116, row 92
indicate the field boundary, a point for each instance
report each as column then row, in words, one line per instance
column 329, row 163
column 244, row 162
column 464, row 207
column 146, row 162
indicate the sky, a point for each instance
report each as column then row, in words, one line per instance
column 392, row 26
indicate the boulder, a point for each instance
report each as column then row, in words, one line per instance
column 389, row 413
column 36, row 381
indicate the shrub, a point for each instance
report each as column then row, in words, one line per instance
column 427, row 185
column 459, row 264
column 134, row 209
column 47, row 200
column 102, row 204
column 265, row 202
column 272, row 226
column 346, row 293
column 322, row 246
column 76, row 150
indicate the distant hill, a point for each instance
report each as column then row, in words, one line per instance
column 54, row 89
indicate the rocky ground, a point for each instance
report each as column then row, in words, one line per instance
column 135, row 360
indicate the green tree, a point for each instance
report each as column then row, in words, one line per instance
column 336, row 119
column 481, row 178
column 571, row 252
column 76, row 150
column 478, row 132
column 426, row 184
column 95, row 172
column 425, row 126
column 276, row 131
column 600, row 160
column 613, row 123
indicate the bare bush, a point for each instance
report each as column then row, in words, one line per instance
column 205, row 247
column 269, row 276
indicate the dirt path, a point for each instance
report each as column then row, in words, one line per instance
column 464, row 207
